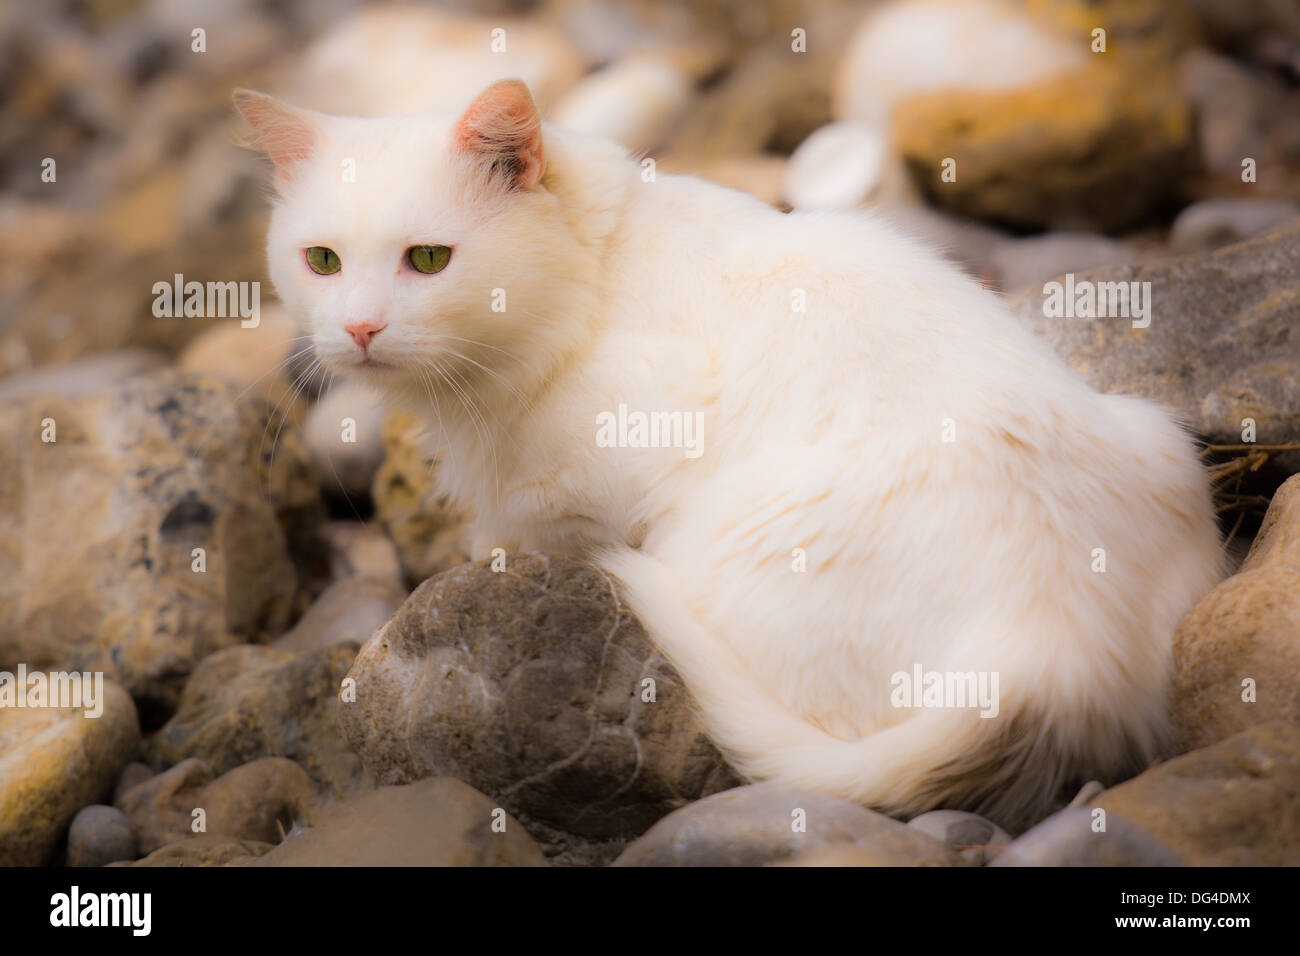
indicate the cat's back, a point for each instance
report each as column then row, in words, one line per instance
column 739, row 261
column 701, row 256
column 821, row 306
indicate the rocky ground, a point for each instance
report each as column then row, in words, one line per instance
column 336, row 684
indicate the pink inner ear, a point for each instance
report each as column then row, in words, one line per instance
column 280, row 131
column 503, row 127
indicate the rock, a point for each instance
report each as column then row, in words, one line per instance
column 1230, row 804
column 348, row 612
column 99, row 835
column 1068, row 838
column 132, row 775
column 249, row 33
column 247, row 702
column 104, row 577
column 837, row 167
column 1237, row 24
column 1216, row 351
column 976, row 839
column 604, row 30
column 1029, row 262
column 1212, row 223
column 428, row 535
column 1001, row 112
column 831, row 855
column 260, row 801
column 53, row 762
column 256, row 359
column 91, row 82
column 32, row 234
column 1102, row 148
column 1086, row 794
column 768, row 822
column 106, row 304
column 1237, row 654
column 206, row 850
column 343, row 432
column 82, row 376
column 158, row 808
column 1243, row 113
column 434, row 822
column 360, row 549
column 221, row 184
column 363, row 64
column 773, row 99
column 915, row 47
column 533, row 686
column 636, row 102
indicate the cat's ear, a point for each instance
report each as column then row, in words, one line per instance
column 503, row 129
column 285, row 134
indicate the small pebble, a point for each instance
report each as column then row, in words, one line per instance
column 976, row 839
column 99, row 835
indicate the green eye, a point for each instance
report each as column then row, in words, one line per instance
column 429, row 259
column 323, row 261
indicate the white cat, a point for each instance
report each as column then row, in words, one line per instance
column 893, row 476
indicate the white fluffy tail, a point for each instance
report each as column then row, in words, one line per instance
column 906, row 768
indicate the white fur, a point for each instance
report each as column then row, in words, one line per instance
column 823, row 432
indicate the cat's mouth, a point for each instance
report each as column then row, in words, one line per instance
column 371, row 364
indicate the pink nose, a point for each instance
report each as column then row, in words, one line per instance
column 364, row 331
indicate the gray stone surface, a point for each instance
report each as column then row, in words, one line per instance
column 768, row 823
column 437, row 821
column 533, row 685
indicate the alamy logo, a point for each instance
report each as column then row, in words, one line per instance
column 103, row 909
column 1086, row 299
column 56, row 689
column 944, row 690
column 215, row 300
column 626, row 429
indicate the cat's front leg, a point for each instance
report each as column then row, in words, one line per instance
column 484, row 540
column 572, row 535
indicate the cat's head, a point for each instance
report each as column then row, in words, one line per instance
column 414, row 250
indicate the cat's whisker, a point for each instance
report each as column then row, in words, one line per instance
column 275, row 403
column 524, row 401
column 445, row 444
column 278, row 366
column 281, row 365
column 484, row 429
column 448, row 442
column 481, row 428
column 299, row 383
column 482, row 345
